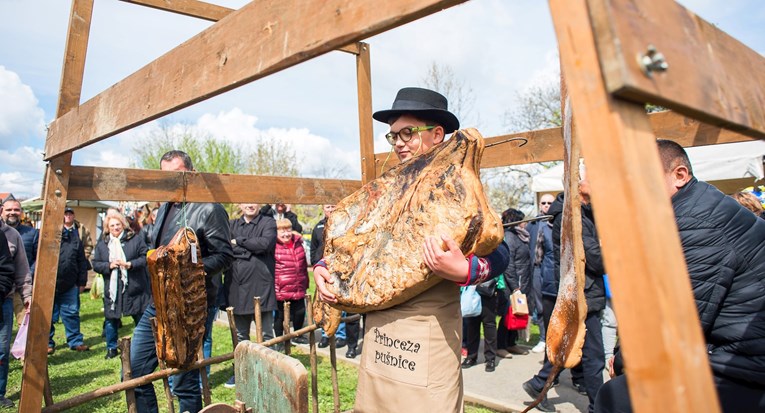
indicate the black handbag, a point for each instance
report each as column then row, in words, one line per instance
column 487, row 288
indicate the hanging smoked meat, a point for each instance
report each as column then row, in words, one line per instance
column 374, row 238
column 566, row 330
column 178, row 288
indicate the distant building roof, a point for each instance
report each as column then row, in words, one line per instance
column 4, row 196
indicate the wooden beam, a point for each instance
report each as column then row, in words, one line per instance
column 259, row 39
column 191, row 8
column 353, row 48
column 35, row 372
column 546, row 145
column 366, row 132
column 208, row 11
column 711, row 76
column 636, row 225
column 118, row 184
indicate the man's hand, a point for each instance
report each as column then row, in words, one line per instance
column 611, row 372
column 321, row 278
column 82, row 289
column 450, row 264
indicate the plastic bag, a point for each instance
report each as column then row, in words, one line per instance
column 20, row 344
column 97, row 288
column 470, row 302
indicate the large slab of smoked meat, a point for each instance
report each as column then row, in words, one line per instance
column 178, row 287
column 374, row 238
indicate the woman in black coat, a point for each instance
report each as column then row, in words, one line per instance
column 517, row 277
column 120, row 256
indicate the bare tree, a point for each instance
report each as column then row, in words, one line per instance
column 537, row 107
column 207, row 153
column 460, row 95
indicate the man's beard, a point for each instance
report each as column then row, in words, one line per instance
column 12, row 220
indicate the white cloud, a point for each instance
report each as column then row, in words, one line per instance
column 21, row 120
column 22, row 172
column 312, row 150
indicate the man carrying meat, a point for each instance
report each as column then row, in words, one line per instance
column 411, row 355
column 724, row 248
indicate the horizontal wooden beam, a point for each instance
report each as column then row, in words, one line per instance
column 710, row 75
column 118, row 184
column 211, row 12
column 191, row 8
column 259, row 39
column 546, row 145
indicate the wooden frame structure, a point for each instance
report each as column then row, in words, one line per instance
column 600, row 56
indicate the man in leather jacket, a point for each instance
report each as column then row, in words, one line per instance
column 210, row 223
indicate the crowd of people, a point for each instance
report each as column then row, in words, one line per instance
column 261, row 253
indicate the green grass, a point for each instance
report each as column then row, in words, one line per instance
column 73, row 373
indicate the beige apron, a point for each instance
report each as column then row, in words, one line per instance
column 411, row 356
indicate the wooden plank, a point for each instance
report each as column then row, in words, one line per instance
column 641, row 247
column 711, row 76
column 207, row 11
column 269, row 381
column 118, row 184
column 56, row 183
column 191, row 8
column 366, row 132
column 546, row 145
column 353, row 48
column 259, row 39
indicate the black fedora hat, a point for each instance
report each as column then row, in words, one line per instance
column 422, row 103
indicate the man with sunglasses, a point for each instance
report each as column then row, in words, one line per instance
column 411, row 355
column 543, row 259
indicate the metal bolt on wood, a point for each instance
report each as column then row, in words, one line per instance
column 652, row 61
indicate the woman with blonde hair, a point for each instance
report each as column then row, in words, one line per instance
column 749, row 201
column 291, row 277
column 120, row 256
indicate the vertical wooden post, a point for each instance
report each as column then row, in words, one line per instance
column 232, row 327
column 203, row 377
column 641, row 248
column 127, row 373
column 366, row 134
column 56, row 187
column 162, row 366
column 312, row 359
column 47, row 393
column 333, row 363
column 258, row 322
column 286, row 327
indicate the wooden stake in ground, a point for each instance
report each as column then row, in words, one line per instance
column 127, row 373
column 165, row 382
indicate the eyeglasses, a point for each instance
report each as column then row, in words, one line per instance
column 405, row 134
column 546, row 203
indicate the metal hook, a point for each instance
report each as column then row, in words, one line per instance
column 525, row 141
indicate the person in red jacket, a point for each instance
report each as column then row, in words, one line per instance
column 291, row 277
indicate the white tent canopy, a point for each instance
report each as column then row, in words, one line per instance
column 742, row 162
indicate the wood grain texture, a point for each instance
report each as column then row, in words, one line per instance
column 268, row 381
column 122, row 184
column 366, row 132
column 641, row 247
column 257, row 40
column 55, row 194
column 711, row 75
column 192, row 8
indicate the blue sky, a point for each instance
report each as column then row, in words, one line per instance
column 497, row 47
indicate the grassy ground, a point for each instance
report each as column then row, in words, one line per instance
column 74, row 373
